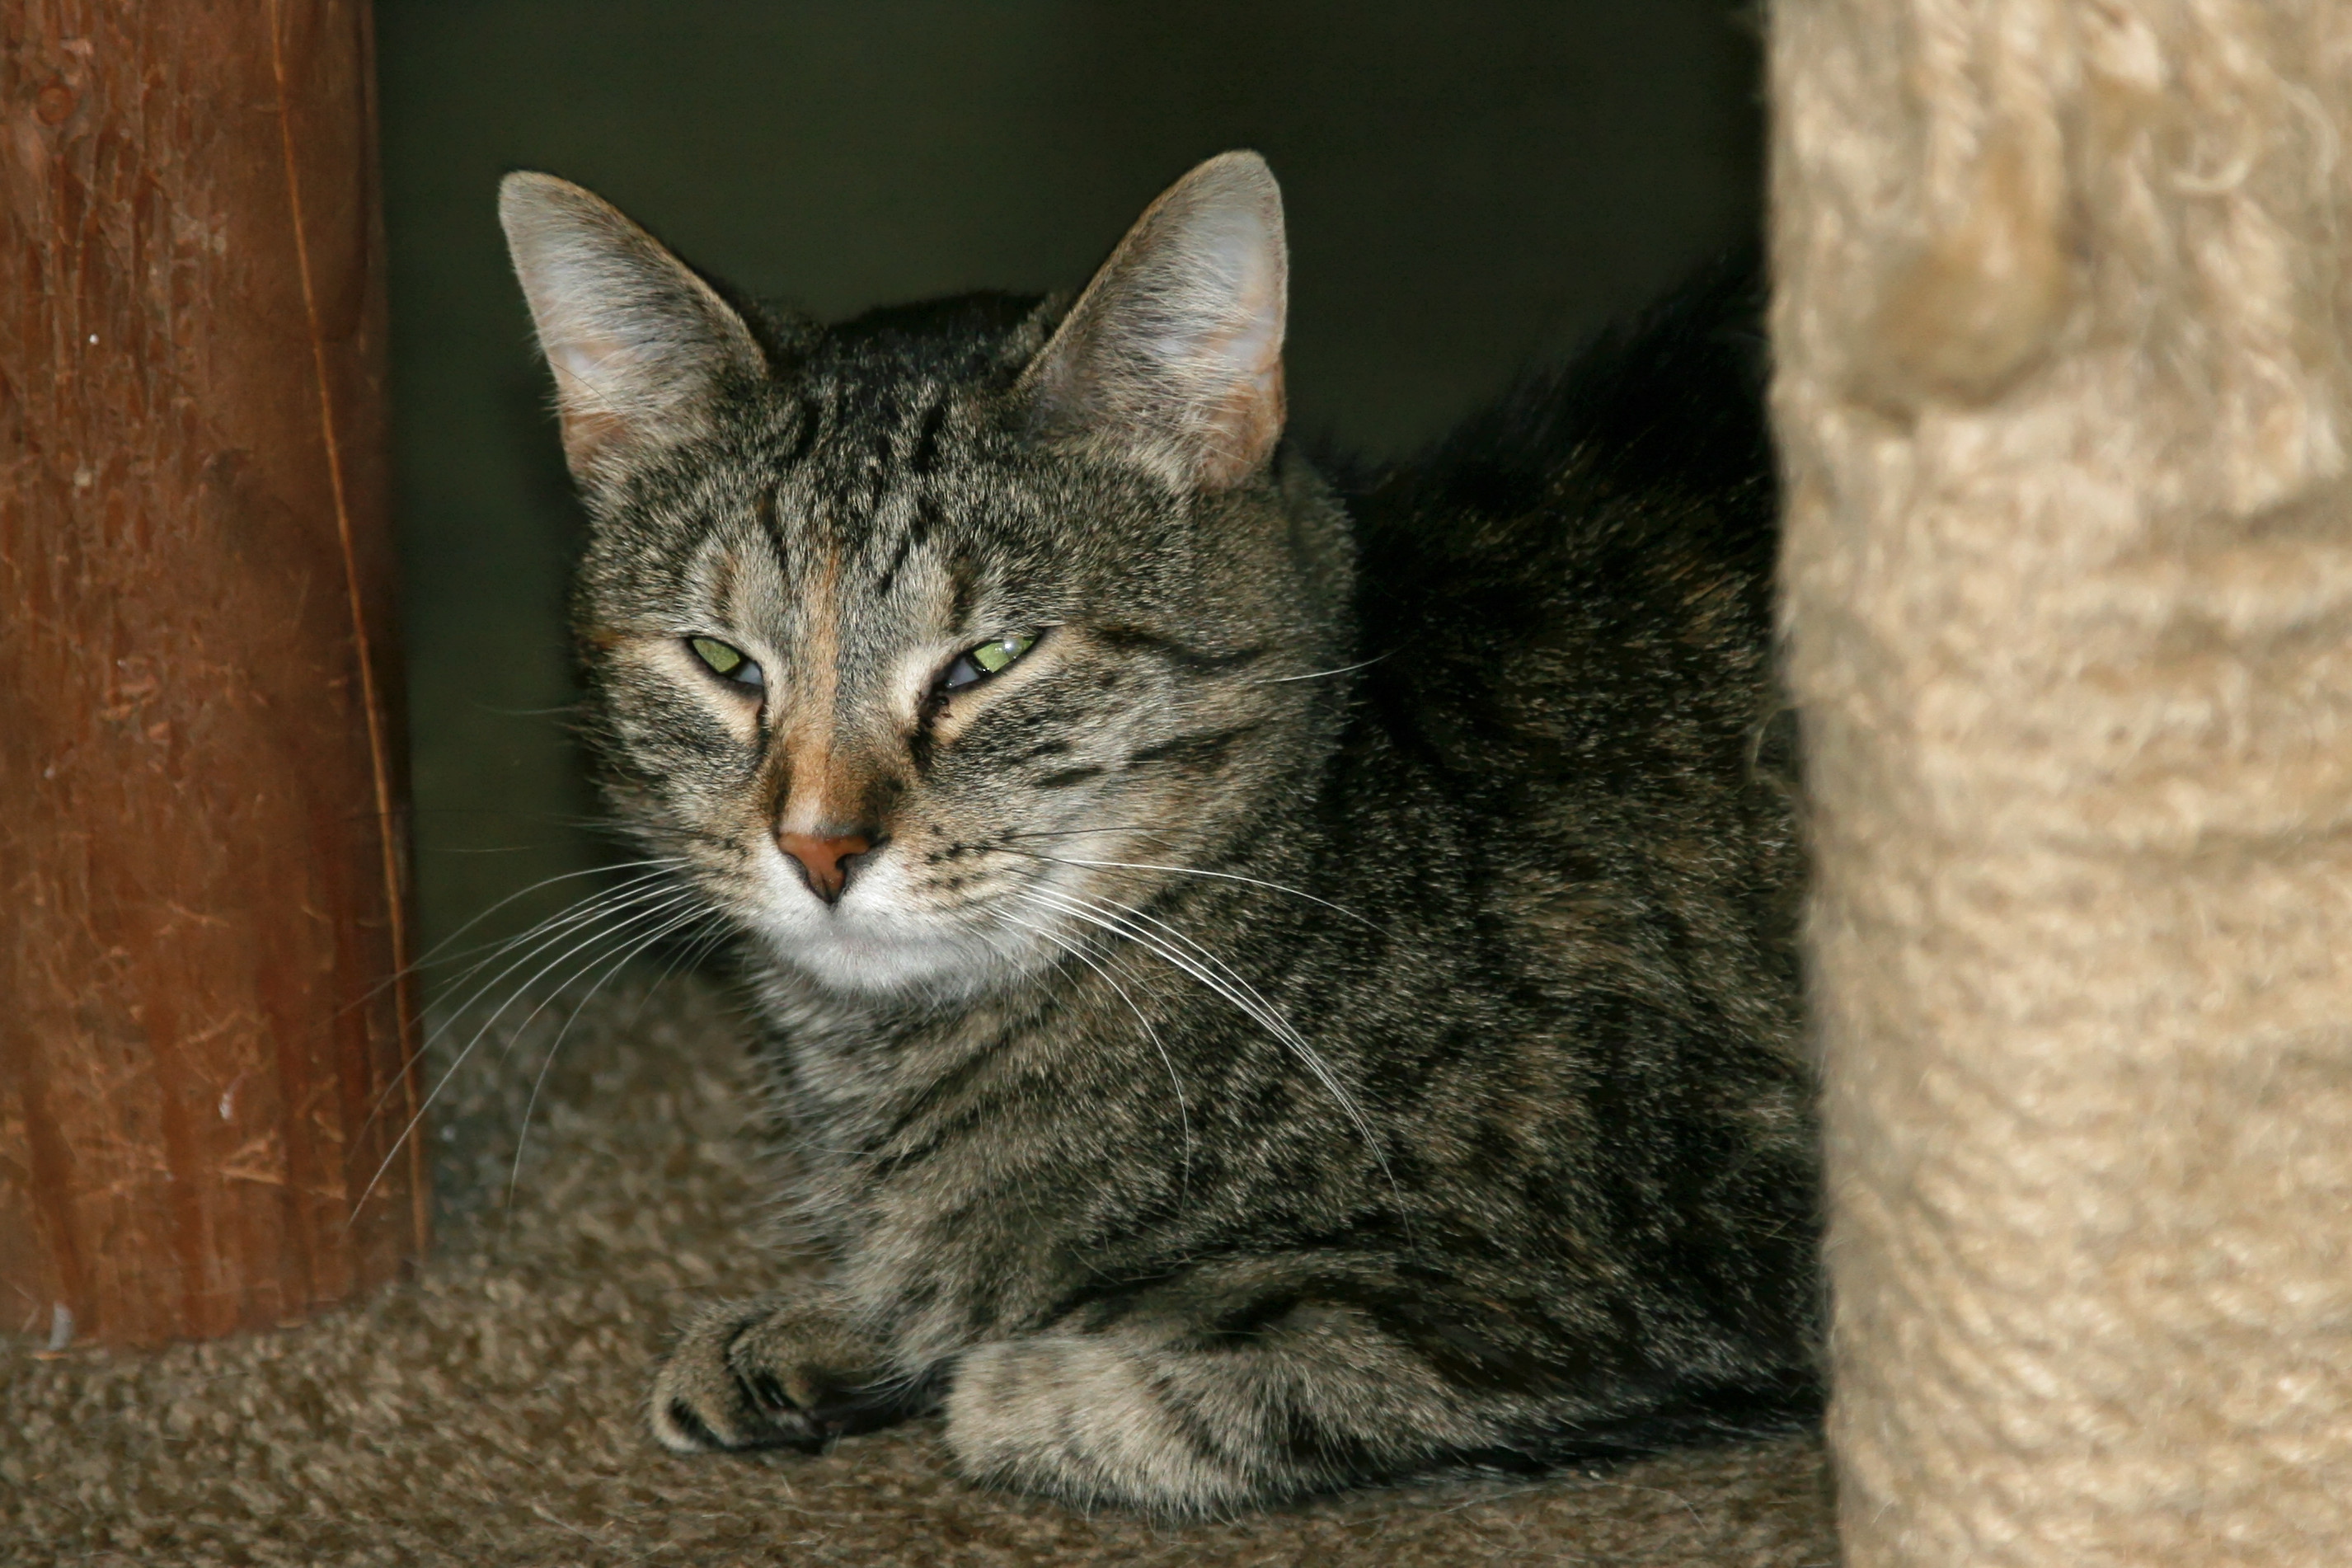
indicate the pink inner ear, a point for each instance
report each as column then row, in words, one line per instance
column 590, row 424
column 1250, row 415
column 589, row 433
column 1251, row 420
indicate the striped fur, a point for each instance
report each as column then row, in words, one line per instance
column 1326, row 1009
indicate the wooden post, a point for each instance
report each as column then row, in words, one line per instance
column 204, row 1059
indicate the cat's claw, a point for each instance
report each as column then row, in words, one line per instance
column 718, row 1390
column 770, row 1373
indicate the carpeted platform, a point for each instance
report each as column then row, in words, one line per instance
column 488, row 1412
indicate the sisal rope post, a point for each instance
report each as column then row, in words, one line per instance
column 205, row 1057
column 2061, row 324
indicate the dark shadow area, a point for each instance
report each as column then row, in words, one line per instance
column 1469, row 188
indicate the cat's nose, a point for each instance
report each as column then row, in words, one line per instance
column 825, row 860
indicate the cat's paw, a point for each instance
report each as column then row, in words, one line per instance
column 1083, row 1418
column 777, row 1373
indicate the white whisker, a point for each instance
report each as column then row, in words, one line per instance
column 688, row 956
column 443, row 1082
column 1184, row 1109
column 1220, row 876
column 1232, row 987
column 435, row 956
column 1321, row 674
column 538, row 939
column 643, row 885
column 522, row 1134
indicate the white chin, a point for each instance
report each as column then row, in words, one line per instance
column 876, row 958
column 871, row 944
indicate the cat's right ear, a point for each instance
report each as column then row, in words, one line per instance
column 641, row 347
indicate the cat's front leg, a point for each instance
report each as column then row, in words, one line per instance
column 1183, row 1416
column 784, row 1371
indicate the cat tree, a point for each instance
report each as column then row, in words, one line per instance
column 202, row 1059
column 2063, row 291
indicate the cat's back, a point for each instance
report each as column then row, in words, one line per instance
column 1622, row 503
column 1567, row 609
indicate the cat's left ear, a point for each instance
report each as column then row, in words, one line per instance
column 1172, row 357
column 641, row 347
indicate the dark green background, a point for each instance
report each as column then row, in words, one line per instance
column 1468, row 187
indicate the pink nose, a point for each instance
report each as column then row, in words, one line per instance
column 824, row 861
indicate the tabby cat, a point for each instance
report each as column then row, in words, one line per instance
column 1271, row 982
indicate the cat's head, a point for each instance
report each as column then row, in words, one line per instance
column 923, row 639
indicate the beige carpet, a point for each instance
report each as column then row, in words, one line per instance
column 488, row 1412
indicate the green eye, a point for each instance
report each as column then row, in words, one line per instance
column 994, row 656
column 726, row 662
column 978, row 664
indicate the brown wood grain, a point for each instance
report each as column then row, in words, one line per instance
column 203, row 1062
